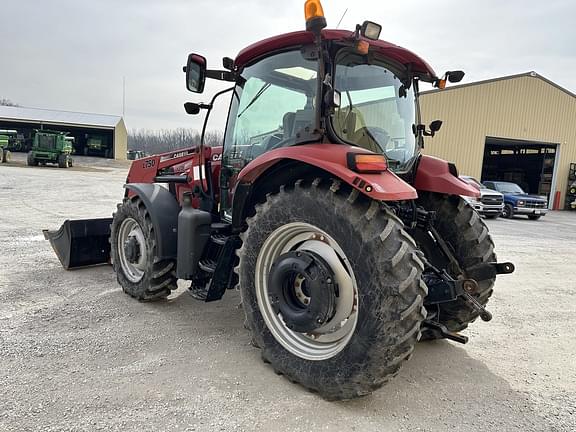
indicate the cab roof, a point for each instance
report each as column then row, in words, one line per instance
column 298, row 38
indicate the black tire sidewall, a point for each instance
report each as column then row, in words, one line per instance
column 378, row 327
column 130, row 209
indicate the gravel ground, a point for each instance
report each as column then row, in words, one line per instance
column 78, row 354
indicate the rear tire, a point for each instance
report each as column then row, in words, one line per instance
column 380, row 258
column 147, row 277
column 468, row 238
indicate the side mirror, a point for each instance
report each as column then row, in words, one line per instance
column 454, row 76
column 435, row 126
column 194, row 108
column 195, row 73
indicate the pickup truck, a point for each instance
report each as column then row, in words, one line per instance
column 490, row 204
column 518, row 202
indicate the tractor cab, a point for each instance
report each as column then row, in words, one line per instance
column 347, row 89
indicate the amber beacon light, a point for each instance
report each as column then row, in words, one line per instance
column 314, row 14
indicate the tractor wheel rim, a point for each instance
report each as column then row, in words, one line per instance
column 134, row 271
column 327, row 341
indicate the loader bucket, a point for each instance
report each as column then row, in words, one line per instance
column 82, row 242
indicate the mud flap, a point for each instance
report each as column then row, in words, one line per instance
column 82, row 242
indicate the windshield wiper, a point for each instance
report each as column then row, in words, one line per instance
column 265, row 87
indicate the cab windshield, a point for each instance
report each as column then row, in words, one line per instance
column 376, row 111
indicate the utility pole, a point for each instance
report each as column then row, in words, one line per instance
column 123, row 96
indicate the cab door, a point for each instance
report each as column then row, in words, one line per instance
column 271, row 105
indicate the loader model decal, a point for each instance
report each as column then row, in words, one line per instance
column 149, row 163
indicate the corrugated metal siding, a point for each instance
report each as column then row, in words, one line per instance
column 523, row 108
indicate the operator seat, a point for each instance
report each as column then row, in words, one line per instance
column 288, row 125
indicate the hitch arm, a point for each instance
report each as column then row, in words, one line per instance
column 444, row 332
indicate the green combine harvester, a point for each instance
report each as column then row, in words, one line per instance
column 96, row 146
column 51, row 147
column 5, row 135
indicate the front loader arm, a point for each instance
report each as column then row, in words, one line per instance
column 146, row 169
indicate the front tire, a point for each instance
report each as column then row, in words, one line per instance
column 508, row 211
column 6, row 156
column 30, row 160
column 134, row 254
column 373, row 259
column 467, row 236
column 63, row 161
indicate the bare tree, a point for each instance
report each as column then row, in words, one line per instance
column 7, row 102
column 159, row 141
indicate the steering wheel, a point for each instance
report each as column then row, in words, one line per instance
column 373, row 138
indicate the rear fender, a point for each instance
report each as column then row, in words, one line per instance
column 163, row 210
column 284, row 165
column 434, row 175
column 384, row 186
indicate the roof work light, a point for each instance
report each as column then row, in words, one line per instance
column 370, row 30
column 314, row 15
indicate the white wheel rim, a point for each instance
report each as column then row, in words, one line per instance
column 134, row 271
column 328, row 340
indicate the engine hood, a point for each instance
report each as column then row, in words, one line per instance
column 527, row 196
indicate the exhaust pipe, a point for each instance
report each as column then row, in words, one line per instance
column 82, row 242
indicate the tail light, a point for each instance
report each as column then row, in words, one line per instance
column 367, row 163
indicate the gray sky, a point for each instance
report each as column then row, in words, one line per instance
column 72, row 54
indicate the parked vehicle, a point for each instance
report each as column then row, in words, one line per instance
column 135, row 154
column 5, row 137
column 346, row 244
column 518, row 202
column 51, row 147
column 96, row 146
column 489, row 204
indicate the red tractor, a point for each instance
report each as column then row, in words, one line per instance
column 346, row 243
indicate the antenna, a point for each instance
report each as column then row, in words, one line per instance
column 341, row 18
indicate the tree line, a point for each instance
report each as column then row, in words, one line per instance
column 7, row 102
column 165, row 140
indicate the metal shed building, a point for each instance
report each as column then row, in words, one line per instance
column 94, row 134
column 518, row 128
